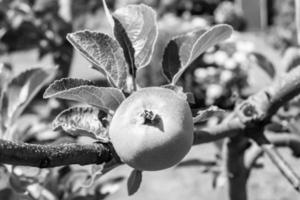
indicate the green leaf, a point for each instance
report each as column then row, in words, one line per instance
column 193, row 44
column 104, row 53
column 139, row 22
column 178, row 51
column 22, row 89
column 83, row 91
column 203, row 115
column 63, row 84
column 124, row 41
column 83, row 121
column 171, row 60
column 263, row 62
column 134, row 181
column 186, row 43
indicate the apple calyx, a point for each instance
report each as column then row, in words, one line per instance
column 149, row 117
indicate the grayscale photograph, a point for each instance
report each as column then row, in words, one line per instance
column 149, row 99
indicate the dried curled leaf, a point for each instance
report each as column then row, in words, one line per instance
column 83, row 121
column 96, row 171
column 104, row 53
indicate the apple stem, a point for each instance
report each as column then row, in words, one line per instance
column 134, row 83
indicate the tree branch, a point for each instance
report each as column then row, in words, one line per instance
column 263, row 106
column 228, row 128
column 45, row 156
column 279, row 93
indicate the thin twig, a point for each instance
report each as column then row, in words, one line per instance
column 288, row 140
column 279, row 162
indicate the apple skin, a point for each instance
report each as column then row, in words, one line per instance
column 152, row 144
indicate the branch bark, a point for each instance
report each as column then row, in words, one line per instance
column 45, row 156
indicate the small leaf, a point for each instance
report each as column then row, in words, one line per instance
column 189, row 97
column 203, row 115
column 70, row 89
column 139, row 22
column 83, row 121
column 171, row 61
column 134, row 181
column 192, row 45
column 22, row 89
column 178, row 51
column 96, row 171
column 264, row 63
column 104, row 53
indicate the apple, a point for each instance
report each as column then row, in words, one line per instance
column 152, row 129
